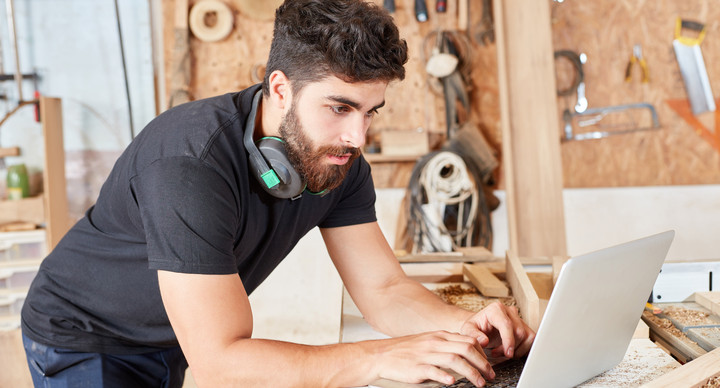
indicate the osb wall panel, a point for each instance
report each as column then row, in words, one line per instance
column 227, row 65
column 606, row 31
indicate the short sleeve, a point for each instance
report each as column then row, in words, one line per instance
column 189, row 215
column 357, row 202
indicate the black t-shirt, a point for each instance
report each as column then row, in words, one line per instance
column 179, row 198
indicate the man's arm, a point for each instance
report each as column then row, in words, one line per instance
column 211, row 317
column 396, row 305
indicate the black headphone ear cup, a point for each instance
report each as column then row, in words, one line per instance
column 269, row 163
column 291, row 183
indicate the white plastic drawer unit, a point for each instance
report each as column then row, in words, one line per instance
column 22, row 246
column 11, row 301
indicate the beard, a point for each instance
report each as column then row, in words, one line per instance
column 310, row 162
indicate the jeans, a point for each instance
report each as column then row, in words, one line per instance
column 62, row 368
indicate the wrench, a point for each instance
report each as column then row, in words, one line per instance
column 486, row 35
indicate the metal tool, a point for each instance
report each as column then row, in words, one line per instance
column 486, row 33
column 389, row 5
column 692, row 66
column 421, row 11
column 637, row 57
column 578, row 85
column 599, row 114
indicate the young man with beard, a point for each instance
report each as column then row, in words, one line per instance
column 187, row 225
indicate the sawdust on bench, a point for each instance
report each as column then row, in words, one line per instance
column 668, row 326
column 468, row 298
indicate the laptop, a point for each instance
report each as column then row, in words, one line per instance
column 590, row 319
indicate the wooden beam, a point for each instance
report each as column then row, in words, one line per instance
column 530, row 128
column 9, row 151
column 54, row 183
column 484, row 280
column 523, row 291
column 693, row 374
column 710, row 300
column 23, row 210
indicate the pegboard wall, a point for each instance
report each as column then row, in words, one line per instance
column 680, row 152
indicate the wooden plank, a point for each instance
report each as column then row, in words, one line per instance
column 434, row 272
column 710, row 300
column 530, row 128
column 9, row 151
column 26, row 210
column 557, row 263
column 54, row 183
column 476, row 255
column 692, row 374
column 487, row 283
column 523, row 291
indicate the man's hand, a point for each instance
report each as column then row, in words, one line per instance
column 429, row 356
column 500, row 329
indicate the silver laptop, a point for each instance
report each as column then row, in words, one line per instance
column 592, row 314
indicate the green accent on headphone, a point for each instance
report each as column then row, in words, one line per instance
column 270, row 178
column 271, row 137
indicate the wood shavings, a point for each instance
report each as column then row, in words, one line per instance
column 688, row 317
column 468, row 298
column 667, row 325
column 712, row 382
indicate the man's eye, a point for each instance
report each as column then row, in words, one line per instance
column 372, row 113
column 339, row 109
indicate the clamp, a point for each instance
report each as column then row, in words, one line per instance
column 637, row 57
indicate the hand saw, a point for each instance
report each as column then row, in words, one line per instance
column 692, row 66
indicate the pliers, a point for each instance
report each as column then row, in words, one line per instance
column 637, row 57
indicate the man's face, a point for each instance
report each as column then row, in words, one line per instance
column 325, row 126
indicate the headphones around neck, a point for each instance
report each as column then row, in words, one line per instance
column 269, row 162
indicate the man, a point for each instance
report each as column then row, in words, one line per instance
column 149, row 277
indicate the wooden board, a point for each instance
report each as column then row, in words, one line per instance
column 523, row 291
column 531, row 148
column 484, row 280
column 710, row 300
column 26, row 210
column 9, row 151
column 54, row 184
column 693, row 374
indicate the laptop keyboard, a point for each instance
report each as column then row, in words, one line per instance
column 507, row 374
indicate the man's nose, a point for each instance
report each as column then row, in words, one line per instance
column 354, row 135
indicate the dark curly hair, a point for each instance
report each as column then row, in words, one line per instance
column 353, row 40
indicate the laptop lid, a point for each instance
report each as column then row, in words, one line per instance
column 593, row 311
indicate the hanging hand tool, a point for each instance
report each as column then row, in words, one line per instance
column 578, row 86
column 486, row 34
column 441, row 6
column 389, row 5
column 692, row 66
column 421, row 11
column 637, row 57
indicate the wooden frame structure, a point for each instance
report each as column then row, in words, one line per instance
column 51, row 207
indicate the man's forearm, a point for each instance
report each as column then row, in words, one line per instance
column 407, row 307
column 267, row 363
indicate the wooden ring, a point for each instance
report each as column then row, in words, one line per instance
column 220, row 30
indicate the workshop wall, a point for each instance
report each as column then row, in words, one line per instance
column 679, row 153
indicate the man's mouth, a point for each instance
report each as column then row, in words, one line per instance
column 339, row 159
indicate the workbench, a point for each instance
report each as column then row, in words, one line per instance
column 643, row 362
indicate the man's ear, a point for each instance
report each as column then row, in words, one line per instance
column 280, row 90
